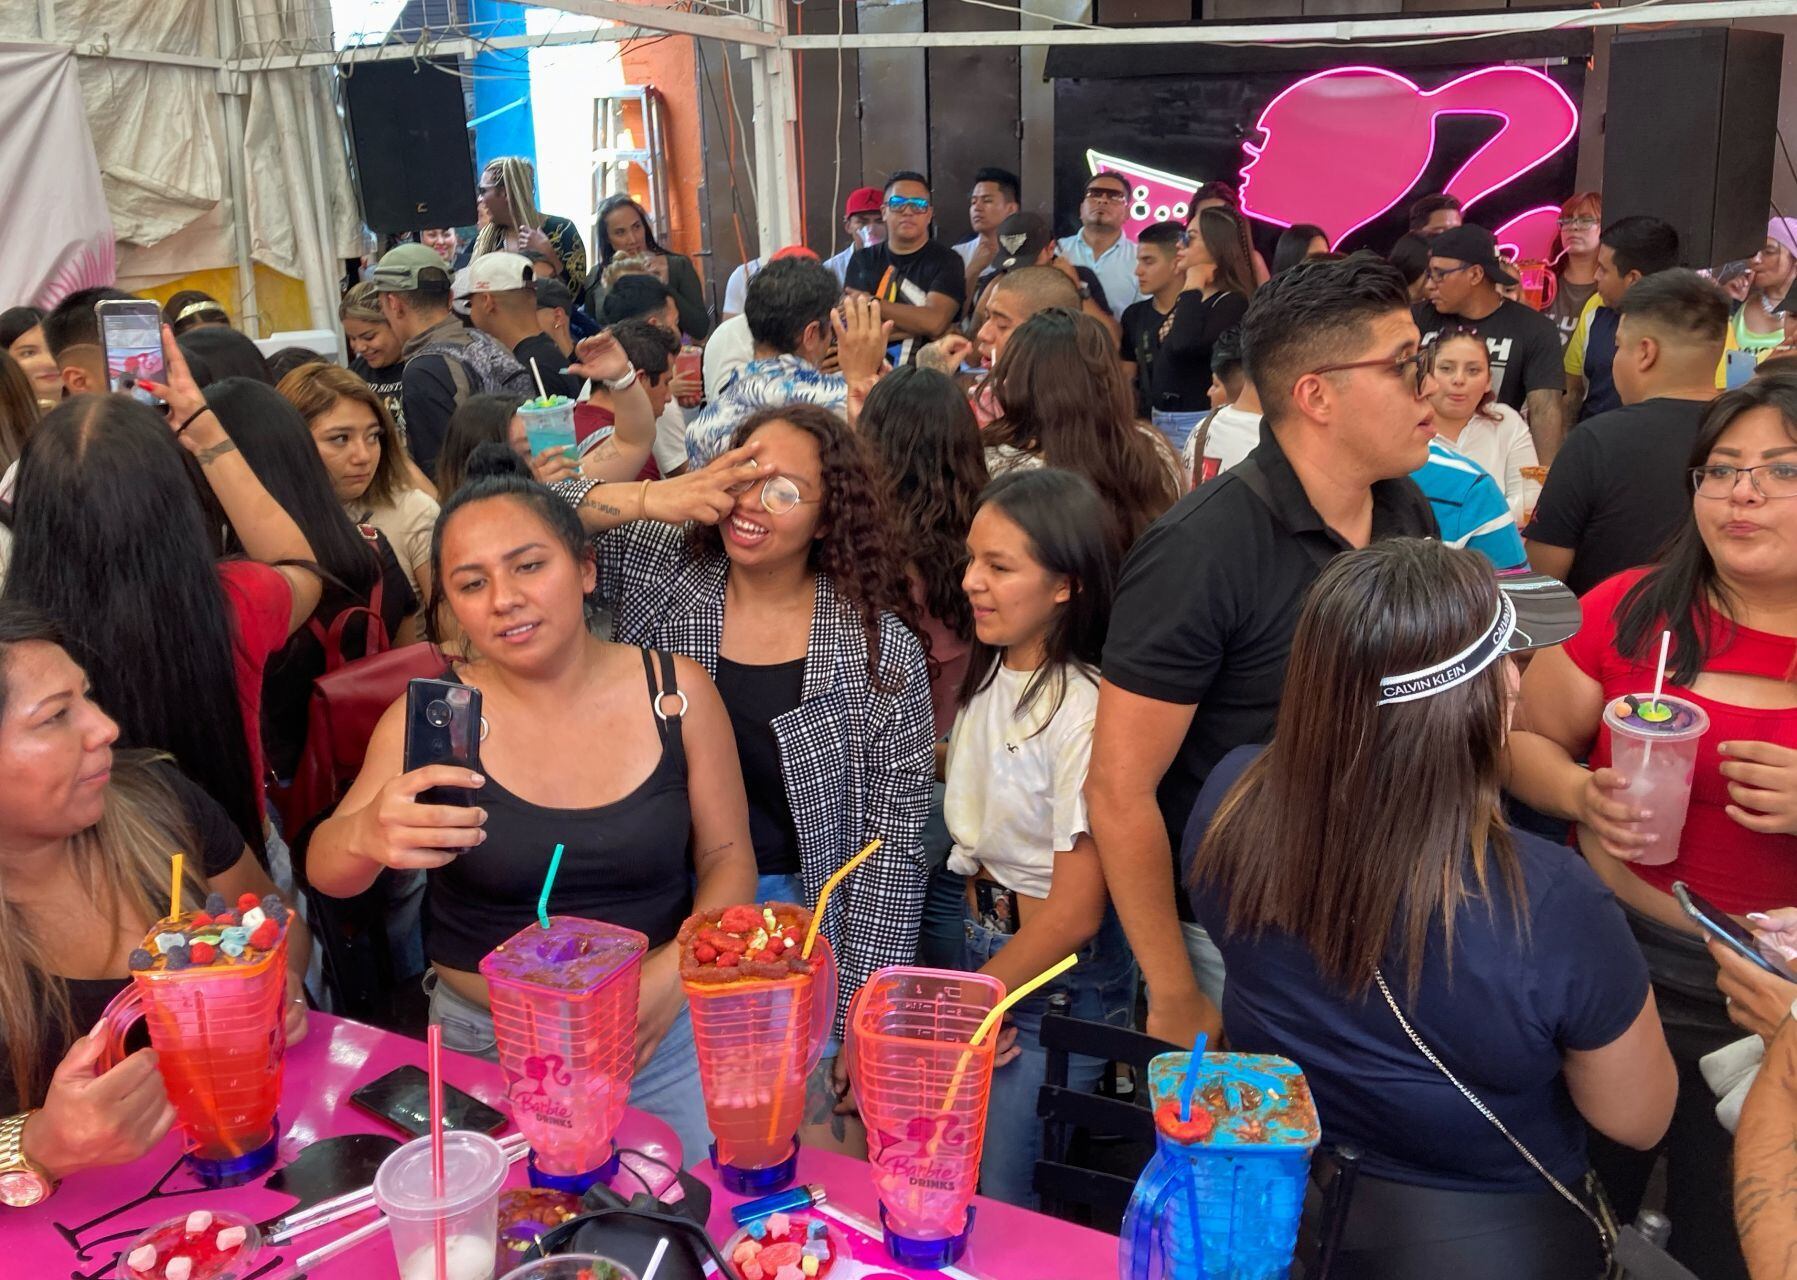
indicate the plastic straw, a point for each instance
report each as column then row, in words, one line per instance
column 541, row 390
column 555, row 864
column 1659, row 679
column 434, row 1052
column 174, row 886
column 817, row 912
column 990, row 1021
column 1189, row 1085
column 661, row 1247
column 338, row 1245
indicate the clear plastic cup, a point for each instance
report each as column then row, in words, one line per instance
column 572, row 1266
column 923, row 1090
column 473, row 1168
column 548, row 424
column 1658, row 757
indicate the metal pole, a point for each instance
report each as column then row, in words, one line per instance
column 232, row 89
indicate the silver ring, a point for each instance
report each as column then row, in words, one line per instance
column 663, row 696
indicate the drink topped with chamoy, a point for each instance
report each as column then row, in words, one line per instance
column 746, row 943
column 219, row 936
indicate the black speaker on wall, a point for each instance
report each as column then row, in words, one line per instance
column 409, row 129
column 1689, row 135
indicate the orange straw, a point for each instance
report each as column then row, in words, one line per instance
column 174, row 887
column 817, row 912
column 434, row 1054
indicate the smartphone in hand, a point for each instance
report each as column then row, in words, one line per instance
column 1723, row 927
column 131, row 340
column 443, row 726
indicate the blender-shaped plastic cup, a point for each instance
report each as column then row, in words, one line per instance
column 758, row 1041
column 564, row 1005
column 548, row 423
column 923, row 1089
column 1653, row 743
column 1236, row 1168
column 220, row 1035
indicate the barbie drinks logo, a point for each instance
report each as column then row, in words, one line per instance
column 528, row 1094
column 1343, row 147
column 929, row 1154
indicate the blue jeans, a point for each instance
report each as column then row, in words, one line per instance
column 1100, row 988
column 667, row 1086
column 1177, row 427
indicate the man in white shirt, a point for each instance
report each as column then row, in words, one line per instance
column 1100, row 243
column 993, row 199
column 865, row 207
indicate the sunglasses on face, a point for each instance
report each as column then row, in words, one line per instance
column 779, row 495
column 907, row 204
column 1418, row 366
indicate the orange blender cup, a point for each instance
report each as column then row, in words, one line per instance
column 758, row 1041
column 220, row 1034
column 923, row 1089
column 564, row 1005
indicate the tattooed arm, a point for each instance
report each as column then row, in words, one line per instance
column 1766, row 1164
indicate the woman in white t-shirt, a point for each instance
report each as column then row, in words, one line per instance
column 1042, row 565
column 1468, row 417
column 361, row 449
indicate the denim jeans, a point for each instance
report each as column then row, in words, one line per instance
column 1177, row 426
column 1207, row 962
column 1100, row 988
column 667, row 1086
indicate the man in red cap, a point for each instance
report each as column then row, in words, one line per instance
column 865, row 207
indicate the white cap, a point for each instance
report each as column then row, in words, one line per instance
column 499, row 273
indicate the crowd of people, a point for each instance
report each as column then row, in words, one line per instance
column 1192, row 608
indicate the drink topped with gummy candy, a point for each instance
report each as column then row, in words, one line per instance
column 1662, row 717
column 219, row 936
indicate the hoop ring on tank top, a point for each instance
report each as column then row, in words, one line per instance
column 627, row 863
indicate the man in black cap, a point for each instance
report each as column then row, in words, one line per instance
column 1025, row 240
column 1524, row 345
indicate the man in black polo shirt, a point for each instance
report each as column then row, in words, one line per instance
column 1209, row 596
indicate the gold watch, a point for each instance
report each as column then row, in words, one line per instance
column 23, row 1182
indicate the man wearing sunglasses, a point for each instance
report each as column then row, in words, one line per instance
column 1209, row 596
column 919, row 283
column 1100, row 243
column 1524, row 346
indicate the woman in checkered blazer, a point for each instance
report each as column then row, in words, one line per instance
column 777, row 569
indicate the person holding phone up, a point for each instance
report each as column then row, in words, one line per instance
column 1726, row 587
column 622, row 755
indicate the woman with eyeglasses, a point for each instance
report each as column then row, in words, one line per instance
column 511, row 222
column 1726, row 588
column 624, row 232
column 1574, row 259
column 778, row 569
column 1409, row 950
column 1760, row 323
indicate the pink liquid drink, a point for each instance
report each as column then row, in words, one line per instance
column 564, row 1014
column 212, row 990
column 923, row 1090
column 759, row 1027
column 1654, row 746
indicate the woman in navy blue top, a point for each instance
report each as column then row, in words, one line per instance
column 1363, row 853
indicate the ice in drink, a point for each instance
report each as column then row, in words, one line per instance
column 1653, row 743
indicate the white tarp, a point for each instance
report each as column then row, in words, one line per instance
column 58, row 235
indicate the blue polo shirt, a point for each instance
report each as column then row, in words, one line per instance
column 1469, row 506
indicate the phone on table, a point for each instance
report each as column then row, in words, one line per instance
column 1723, row 927
column 443, row 727
column 402, row 1099
column 131, row 340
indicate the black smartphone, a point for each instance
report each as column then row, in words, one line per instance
column 442, row 727
column 131, row 339
column 402, row 1098
column 1723, row 927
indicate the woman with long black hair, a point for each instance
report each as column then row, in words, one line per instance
column 624, row 230
column 117, row 537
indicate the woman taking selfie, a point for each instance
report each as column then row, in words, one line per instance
column 658, row 833
column 1401, row 944
column 1724, row 587
column 86, row 829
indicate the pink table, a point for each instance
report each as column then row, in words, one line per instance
column 80, row 1230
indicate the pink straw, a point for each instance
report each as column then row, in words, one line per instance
column 434, row 1052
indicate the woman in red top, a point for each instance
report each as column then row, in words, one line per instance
column 1726, row 587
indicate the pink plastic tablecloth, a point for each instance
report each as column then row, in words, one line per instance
column 80, row 1230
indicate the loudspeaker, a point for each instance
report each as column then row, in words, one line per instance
column 1689, row 132
column 409, row 129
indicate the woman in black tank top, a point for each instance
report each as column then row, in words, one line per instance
column 624, row 757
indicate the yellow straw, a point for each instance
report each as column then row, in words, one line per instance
column 174, row 888
column 817, row 912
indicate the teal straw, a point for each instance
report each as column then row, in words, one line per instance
column 1189, row 1085
column 555, row 863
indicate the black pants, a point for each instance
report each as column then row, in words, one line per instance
column 1400, row 1232
column 1699, row 1151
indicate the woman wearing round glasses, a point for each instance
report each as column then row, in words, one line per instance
column 1574, row 259
column 1726, row 588
column 789, row 588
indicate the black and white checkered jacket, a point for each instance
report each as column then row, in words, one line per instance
column 858, row 762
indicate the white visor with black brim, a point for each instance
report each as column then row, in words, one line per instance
column 1534, row 611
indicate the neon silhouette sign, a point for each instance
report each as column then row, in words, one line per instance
column 1343, row 147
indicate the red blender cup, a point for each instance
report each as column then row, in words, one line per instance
column 564, row 1015
column 215, row 1010
column 923, row 1089
column 759, row 1029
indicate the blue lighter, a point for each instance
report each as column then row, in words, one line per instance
column 793, row 1198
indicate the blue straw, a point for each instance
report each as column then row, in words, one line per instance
column 1190, row 1085
column 555, row 863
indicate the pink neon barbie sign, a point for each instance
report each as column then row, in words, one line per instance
column 1342, row 147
